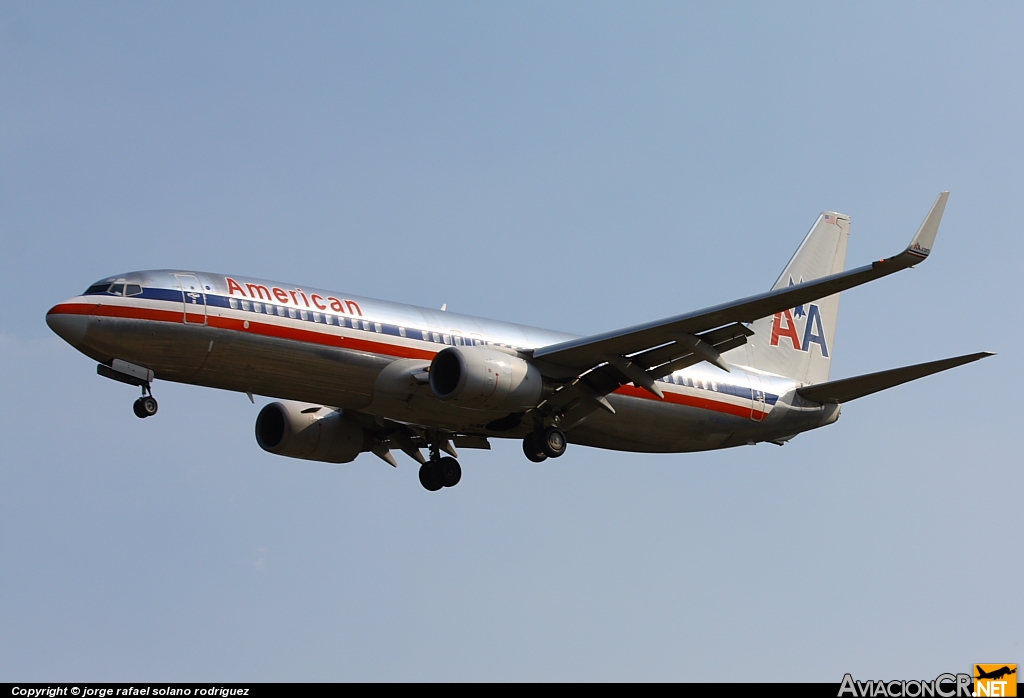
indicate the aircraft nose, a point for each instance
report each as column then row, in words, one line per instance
column 70, row 328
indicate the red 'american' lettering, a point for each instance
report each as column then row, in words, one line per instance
column 292, row 297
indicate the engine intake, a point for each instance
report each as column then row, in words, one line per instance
column 485, row 378
column 312, row 432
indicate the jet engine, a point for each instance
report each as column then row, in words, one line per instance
column 485, row 378
column 313, row 432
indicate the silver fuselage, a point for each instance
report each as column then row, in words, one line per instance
column 310, row 345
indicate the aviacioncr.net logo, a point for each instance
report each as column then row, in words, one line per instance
column 943, row 686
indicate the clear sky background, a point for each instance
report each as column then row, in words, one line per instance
column 578, row 166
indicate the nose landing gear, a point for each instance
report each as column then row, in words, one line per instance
column 145, row 406
column 124, row 372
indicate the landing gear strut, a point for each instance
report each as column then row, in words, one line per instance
column 439, row 472
column 124, row 372
column 544, row 444
column 146, row 405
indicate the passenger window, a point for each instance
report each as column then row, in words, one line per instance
column 436, row 337
column 233, row 302
column 457, row 339
column 446, row 338
column 401, row 331
column 117, row 289
column 258, row 307
column 303, row 315
column 292, row 314
column 377, row 327
column 245, row 305
column 316, row 316
column 132, row 290
column 280, row 310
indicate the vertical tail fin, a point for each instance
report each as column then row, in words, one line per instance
column 798, row 343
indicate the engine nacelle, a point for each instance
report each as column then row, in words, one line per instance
column 485, row 378
column 299, row 430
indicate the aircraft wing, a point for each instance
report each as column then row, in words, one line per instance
column 683, row 330
column 848, row 389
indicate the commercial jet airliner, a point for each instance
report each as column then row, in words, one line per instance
column 359, row 375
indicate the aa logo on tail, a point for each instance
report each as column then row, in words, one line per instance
column 784, row 326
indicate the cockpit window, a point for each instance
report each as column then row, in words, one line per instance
column 132, row 290
column 117, row 289
column 97, row 288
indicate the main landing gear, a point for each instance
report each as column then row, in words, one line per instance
column 443, row 472
column 544, row 444
column 146, row 405
column 439, row 472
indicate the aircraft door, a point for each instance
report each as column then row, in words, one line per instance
column 193, row 299
column 757, row 406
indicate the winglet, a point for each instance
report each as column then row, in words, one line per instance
column 921, row 245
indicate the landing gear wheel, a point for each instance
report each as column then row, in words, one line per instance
column 145, row 407
column 532, row 449
column 450, row 471
column 430, row 476
column 552, row 442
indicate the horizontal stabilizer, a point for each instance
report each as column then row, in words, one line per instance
column 852, row 388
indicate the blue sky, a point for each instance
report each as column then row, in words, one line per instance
column 579, row 166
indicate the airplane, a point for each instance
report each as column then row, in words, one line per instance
column 995, row 674
column 355, row 375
